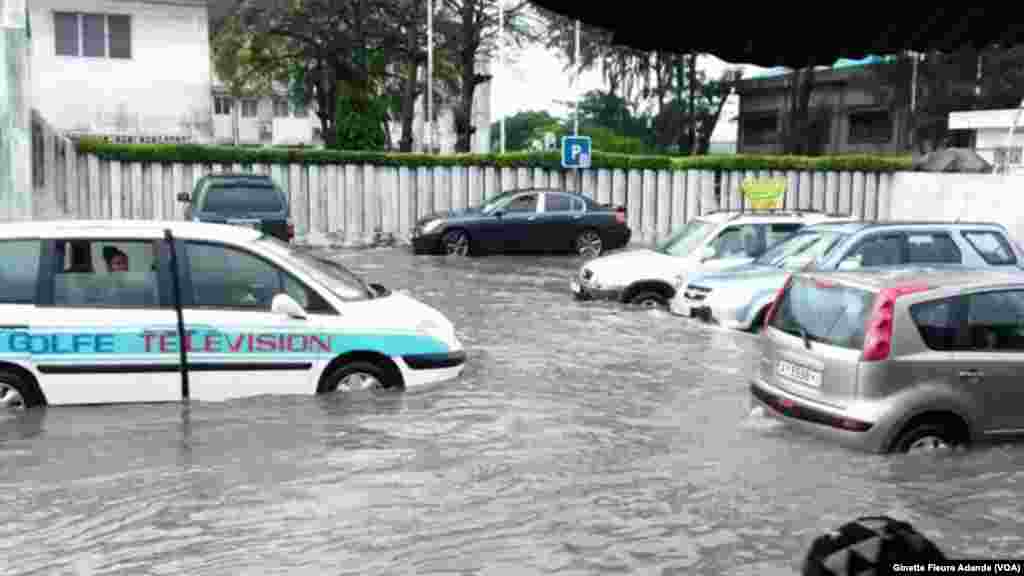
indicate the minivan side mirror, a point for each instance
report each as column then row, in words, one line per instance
column 380, row 290
column 285, row 304
column 184, row 197
column 708, row 253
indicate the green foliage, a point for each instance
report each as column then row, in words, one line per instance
column 199, row 154
column 359, row 123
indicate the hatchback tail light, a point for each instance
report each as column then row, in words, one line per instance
column 775, row 303
column 878, row 336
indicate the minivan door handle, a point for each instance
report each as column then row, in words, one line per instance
column 973, row 374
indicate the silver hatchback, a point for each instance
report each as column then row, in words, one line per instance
column 896, row 360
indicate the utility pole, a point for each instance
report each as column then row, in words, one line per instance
column 576, row 77
column 16, row 184
column 428, row 124
column 501, row 60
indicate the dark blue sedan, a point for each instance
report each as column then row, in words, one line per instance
column 525, row 221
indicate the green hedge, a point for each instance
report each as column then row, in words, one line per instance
column 199, row 154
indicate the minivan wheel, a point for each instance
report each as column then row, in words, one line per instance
column 359, row 376
column 16, row 394
column 927, row 438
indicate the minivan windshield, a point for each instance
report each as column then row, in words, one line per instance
column 683, row 242
column 241, row 198
column 341, row 281
column 824, row 312
column 801, row 249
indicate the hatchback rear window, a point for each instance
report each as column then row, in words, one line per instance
column 824, row 312
column 242, row 198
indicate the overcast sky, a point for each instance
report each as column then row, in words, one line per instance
column 537, row 81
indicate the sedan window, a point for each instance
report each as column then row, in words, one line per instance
column 524, row 203
column 558, row 203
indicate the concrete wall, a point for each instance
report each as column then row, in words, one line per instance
column 355, row 201
column 166, row 80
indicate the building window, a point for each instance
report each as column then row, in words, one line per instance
column 93, row 35
column 249, row 108
column 759, row 129
column 280, row 108
column 222, row 106
column 870, row 126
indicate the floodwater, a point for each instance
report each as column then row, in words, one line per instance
column 584, row 438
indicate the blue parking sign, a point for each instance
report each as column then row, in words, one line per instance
column 576, row 152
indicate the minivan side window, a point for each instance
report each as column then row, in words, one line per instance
column 991, row 246
column 995, row 321
column 738, row 242
column 19, row 271
column 228, row 278
column 107, row 273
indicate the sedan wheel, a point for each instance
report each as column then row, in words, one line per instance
column 589, row 244
column 455, row 243
column 11, row 398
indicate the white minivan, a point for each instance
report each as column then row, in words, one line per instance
column 97, row 312
column 715, row 241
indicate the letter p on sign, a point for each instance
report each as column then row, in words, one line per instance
column 576, row 152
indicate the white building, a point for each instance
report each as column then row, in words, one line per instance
column 726, row 133
column 270, row 119
column 128, row 69
column 987, row 132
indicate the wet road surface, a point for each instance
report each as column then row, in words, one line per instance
column 584, row 438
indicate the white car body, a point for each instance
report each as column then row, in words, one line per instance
column 626, row 276
column 76, row 351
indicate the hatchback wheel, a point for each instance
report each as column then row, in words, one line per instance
column 927, row 438
column 455, row 243
column 589, row 244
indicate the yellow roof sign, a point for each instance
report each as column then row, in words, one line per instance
column 764, row 193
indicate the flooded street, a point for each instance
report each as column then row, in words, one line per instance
column 583, row 438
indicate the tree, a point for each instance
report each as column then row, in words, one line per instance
column 330, row 42
column 522, row 128
column 469, row 31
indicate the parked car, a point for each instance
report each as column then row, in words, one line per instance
column 97, row 312
column 896, row 360
column 529, row 220
column 717, row 240
column 241, row 199
column 740, row 297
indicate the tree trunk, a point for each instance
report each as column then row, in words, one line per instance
column 467, row 62
column 693, row 98
column 409, row 109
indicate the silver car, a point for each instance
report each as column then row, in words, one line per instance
column 896, row 359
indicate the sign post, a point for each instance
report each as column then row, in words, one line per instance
column 576, row 154
column 764, row 193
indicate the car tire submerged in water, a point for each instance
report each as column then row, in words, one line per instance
column 455, row 243
column 16, row 393
column 928, row 436
column 648, row 299
column 588, row 243
column 360, row 375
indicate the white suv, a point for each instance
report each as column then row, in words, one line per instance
column 715, row 241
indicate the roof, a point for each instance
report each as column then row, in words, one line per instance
column 852, row 226
column 143, row 228
column 982, row 119
column 759, row 37
column 786, row 215
column 935, row 276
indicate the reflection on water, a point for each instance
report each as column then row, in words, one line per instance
column 584, row 438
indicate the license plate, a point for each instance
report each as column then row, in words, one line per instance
column 249, row 223
column 799, row 374
column 575, row 286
